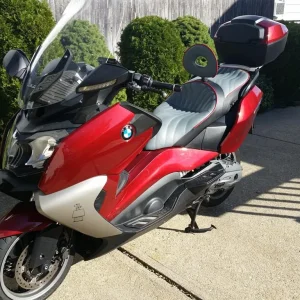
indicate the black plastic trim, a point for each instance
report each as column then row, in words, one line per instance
column 99, row 200
column 148, row 120
column 122, row 181
column 244, row 91
column 4, row 136
column 213, row 136
column 18, row 184
column 166, row 186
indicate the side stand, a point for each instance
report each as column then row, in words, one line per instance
column 193, row 227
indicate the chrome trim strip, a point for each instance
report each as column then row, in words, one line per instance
column 249, row 69
column 74, row 208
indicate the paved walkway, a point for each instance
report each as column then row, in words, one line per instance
column 253, row 254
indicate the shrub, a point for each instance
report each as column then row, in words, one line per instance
column 284, row 71
column 23, row 25
column 152, row 45
column 193, row 31
column 120, row 97
column 85, row 41
column 265, row 84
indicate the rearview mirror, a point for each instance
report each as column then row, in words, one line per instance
column 15, row 63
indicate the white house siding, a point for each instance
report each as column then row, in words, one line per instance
column 291, row 10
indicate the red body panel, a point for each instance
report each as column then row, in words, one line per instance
column 246, row 115
column 274, row 31
column 96, row 148
column 21, row 219
column 148, row 168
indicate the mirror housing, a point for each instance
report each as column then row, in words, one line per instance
column 15, row 63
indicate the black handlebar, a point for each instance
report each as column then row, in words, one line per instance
column 167, row 86
column 146, row 82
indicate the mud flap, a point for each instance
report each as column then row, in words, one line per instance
column 251, row 131
column 21, row 219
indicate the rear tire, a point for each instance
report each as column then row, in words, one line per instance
column 221, row 195
column 12, row 249
column 217, row 198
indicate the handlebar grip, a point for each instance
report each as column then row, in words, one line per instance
column 167, row 86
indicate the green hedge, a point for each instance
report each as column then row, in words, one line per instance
column 192, row 31
column 265, row 84
column 23, row 25
column 284, row 71
column 152, row 45
column 84, row 40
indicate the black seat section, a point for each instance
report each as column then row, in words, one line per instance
column 184, row 115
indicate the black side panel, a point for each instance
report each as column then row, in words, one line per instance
column 214, row 135
column 19, row 188
column 196, row 143
column 149, row 200
column 142, row 123
column 4, row 136
column 122, row 181
column 143, row 119
column 99, row 200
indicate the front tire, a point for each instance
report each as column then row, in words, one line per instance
column 17, row 281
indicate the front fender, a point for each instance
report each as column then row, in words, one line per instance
column 21, row 219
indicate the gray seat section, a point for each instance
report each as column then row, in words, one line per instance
column 195, row 103
column 179, row 114
column 231, row 81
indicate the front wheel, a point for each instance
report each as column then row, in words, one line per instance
column 18, row 281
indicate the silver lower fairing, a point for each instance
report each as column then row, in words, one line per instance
column 74, row 208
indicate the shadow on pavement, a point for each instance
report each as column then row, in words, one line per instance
column 273, row 187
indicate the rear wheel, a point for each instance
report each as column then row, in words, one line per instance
column 219, row 196
column 18, row 281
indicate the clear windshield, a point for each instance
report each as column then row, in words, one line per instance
column 69, row 53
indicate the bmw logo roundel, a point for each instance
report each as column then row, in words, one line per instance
column 127, row 132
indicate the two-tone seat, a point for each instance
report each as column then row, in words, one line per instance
column 200, row 103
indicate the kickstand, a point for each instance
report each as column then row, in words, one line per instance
column 193, row 227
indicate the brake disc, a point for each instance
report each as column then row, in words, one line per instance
column 23, row 274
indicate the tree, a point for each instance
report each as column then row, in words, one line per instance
column 265, row 84
column 284, row 71
column 85, row 42
column 23, row 25
column 193, row 31
column 152, row 45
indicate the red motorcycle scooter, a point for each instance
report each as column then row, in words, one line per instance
column 93, row 176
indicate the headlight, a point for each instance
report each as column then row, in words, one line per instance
column 19, row 154
column 42, row 148
column 90, row 88
column 25, row 155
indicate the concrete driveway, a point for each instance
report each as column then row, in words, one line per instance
column 253, row 254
